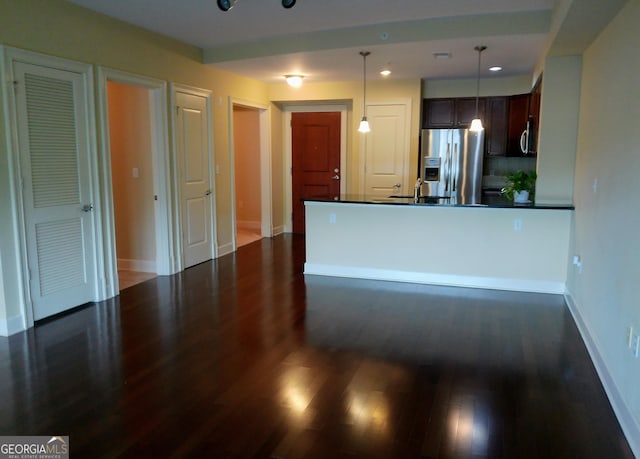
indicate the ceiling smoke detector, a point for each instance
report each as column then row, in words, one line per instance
column 442, row 55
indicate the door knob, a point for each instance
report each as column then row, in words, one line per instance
column 336, row 177
column 87, row 208
column 207, row 193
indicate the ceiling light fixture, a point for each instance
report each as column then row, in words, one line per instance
column 295, row 81
column 495, row 68
column 476, row 123
column 226, row 5
column 364, row 124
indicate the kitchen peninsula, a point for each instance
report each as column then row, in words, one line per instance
column 496, row 245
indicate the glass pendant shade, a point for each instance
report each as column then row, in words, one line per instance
column 364, row 125
column 476, row 125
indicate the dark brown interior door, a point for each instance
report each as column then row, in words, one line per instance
column 315, row 160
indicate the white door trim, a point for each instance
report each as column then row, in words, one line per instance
column 266, row 218
column 363, row 138
column 165, row 259
column 175, row 88
column 288, row 153
column 12, row 55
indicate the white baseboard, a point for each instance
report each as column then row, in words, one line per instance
column 629, row 424
column 225, row 249
column 278, row 230
column 145, row 266
column 518, row 285
column 11, row 326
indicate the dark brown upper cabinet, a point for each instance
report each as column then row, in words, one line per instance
column 450, row 112
column 495, row 125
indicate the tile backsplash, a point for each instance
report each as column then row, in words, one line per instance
column 502, row 165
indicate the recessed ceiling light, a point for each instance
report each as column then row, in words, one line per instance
column 385, row 72
column 495, row 68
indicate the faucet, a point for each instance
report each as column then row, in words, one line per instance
column 416, row 189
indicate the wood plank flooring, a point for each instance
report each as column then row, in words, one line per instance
column 243, row 357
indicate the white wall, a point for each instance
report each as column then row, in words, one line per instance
column 464, row 87
column 559, row 109
column 465, row 246
column 607, row 220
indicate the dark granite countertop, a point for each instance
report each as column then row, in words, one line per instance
column 487, row 201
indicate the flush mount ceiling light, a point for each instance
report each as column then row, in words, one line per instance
column 364, row 124
column 226, row 5
column 495, row 68
column 476, row 124
column 295, row 81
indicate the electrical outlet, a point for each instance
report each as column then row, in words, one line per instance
column 517, row 224
column 577, row 260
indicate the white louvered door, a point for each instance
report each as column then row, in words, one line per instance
column 58, row 208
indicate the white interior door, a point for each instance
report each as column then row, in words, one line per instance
column 387, row 150
column 58, row 206
column 196, row 192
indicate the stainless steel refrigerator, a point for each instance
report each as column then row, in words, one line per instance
column 451, row 165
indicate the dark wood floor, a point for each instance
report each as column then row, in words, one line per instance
column 244, row 357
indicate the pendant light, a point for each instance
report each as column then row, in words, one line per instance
column 476, row 123
column 364, row 124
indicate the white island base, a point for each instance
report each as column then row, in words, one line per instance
column 520, row 249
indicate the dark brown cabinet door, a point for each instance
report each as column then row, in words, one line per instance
column 438, row 113
column 496, row 121
column 518, row 116
column 466, row 111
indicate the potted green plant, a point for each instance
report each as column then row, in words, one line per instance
column 519, row 186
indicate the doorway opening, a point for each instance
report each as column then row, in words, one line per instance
column 246, row 157
column 132, row 177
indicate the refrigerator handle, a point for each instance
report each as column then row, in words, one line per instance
column 447, row 169
column 454, row 168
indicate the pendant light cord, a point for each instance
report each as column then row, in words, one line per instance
column 479, row 49
column 364, row 55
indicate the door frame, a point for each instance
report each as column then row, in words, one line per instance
column 174, row 89
column 9, row 55
column 165, row 259
column 288, row 152
column 362, row 162
column 266, row 217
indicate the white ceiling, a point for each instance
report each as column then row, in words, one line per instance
column 321, row 38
